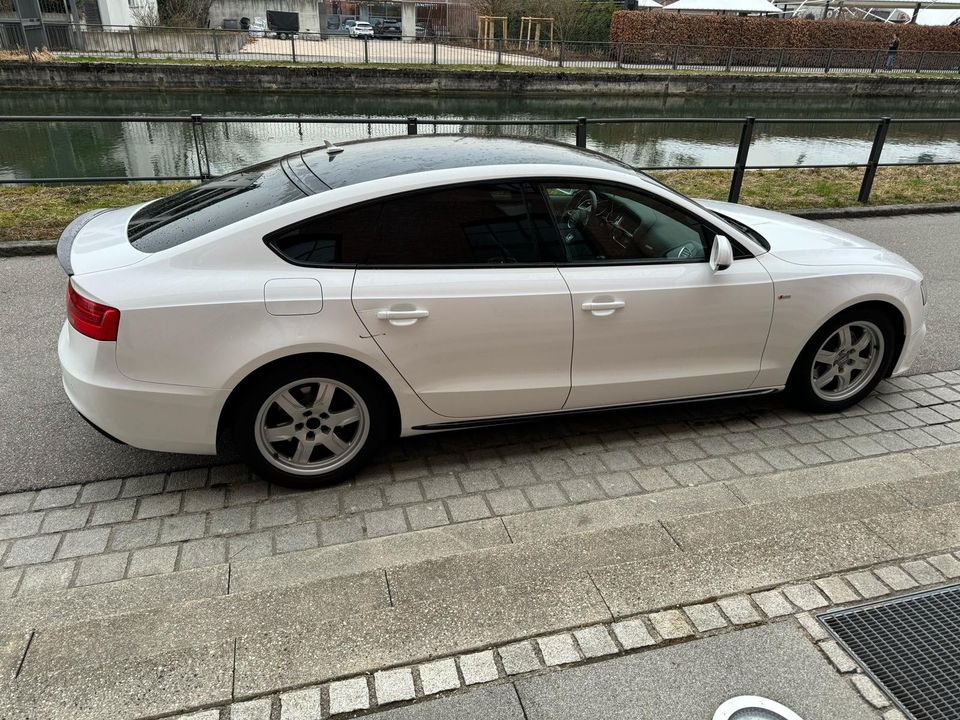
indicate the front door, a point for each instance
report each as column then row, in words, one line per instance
column 462, row 294
column 652, row 321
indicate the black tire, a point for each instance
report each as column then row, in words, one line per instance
column 800, row 385
column 349, row 386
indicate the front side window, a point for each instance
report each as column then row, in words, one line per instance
column 602, row 224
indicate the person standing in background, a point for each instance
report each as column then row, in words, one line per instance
column 892, row 52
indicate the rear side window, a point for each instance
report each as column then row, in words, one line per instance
column 471, row 225
column 193, row 212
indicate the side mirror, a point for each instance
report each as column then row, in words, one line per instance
column 721, row 254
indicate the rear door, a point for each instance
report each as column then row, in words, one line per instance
column 461, row 292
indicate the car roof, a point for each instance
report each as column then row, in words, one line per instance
column 366, row 160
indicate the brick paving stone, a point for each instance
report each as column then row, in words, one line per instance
column 252, row 546
column 142, row 485
column 159, row 505
column 318, row 505
column 203, row 553
column 393, row 686
column 804, row 434
column 739, row 610
column 922, row 572
column 687, row 474
column 546, row 495
column 714, row 446
column 926, row 380
column 805, row 596
column 478, row 480
column 705, row 617
column 841, row 661
column 56, row 497
column 899, row 402
column 439, row 676
column 359, row 499
column 385, row 522
column 39, row 579
column 670, row 624
column 230, row 521
column 187, row 479
column 617, row 484
column 102, row 569
column 585, row 465
column 65, row 519
column 719, row 469
column 202, row 715
column 479, row 667
column 16, row 502
column 870, row 692
column 9, row 579
column 427, row 515
column 153, row 561
column 402, row 493
column 838, row 450
column 100, row 491
column 84, row 542
column 812, row 626
column 229, row 475
column 943, row 433
column 617, row 460
column 746, row 441
column 274, row 514
column 113, row 512
column 910, row 421
column 482, row 459
column 303, row 536
column 928, row 416
column 918, row 437
column 507, row 502
column 653, row 479
column 304, row 704
column 465, row 509
column 519, row 658
column 558, row 649
column 436, row 488
column 259, row 709
column 946, row 564
column 549, row 468
column 214, row 498
column 773, row 603
column 950, row 411
column 581, row 489
column 240, row 494
column 891, row 442
column 595, row 641
column 135, row 535
column 867, row 584
column 654, row 455
column 685, row 450
column 339, row 531
column 182, row 527
column 409, row 470
column 751, row 463
column 774, row 437
column 31, row 551
column 447, row 463
column 516, row 476
column 896, row 578
column 780, row 459
column 922, row 397
column 859, row 426
column 837, row 589
column 887, row 421
column 809, row 454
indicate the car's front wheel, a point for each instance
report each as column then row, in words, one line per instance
column 303, row 424
column 843, row 362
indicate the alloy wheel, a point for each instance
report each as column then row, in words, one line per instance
column 847, row 360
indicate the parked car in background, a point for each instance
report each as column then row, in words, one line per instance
column 388, row 30
column 361, row 29
column 319, row 305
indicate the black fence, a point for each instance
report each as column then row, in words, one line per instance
column 427, row 48
column 577, row 127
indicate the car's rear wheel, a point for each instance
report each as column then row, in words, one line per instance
column 303, row 424
column 843, row 362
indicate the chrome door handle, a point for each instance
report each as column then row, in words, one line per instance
column 603, row 308
column 402, row 314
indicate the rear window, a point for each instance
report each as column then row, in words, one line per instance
column 193, row 212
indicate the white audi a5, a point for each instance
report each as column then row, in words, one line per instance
column 318, row 305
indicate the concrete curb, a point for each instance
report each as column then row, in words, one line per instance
column 49, row 247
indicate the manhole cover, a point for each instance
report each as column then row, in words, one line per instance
column 911, row 647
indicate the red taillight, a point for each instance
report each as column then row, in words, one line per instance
column 90, row 318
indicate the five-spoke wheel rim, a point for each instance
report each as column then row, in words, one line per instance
column 312, row 426
column 847, row 360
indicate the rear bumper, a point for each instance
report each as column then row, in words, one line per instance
column 152, row 416
column 911, row 347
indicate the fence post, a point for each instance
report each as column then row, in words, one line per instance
column 920, row 63
column 871, row 172
column 434, row 51
column 581, row 132
column 293, row 48
column 876, row 61
column 829, row 61
column 676, row 56
column 619, row 55
column 366, row 50
column 133, row 42
column 729, row 59
column 780, row 60
column 216, row 47
column 561, row 53
column 499, row 51
column 411, row 126
column 200, row 145
column 746, row 135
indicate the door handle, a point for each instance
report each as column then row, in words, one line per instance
column 402, row 318
column 603, row 308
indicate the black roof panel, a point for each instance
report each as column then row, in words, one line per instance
column 366, row 160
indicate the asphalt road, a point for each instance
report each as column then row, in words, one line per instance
column 44, row 443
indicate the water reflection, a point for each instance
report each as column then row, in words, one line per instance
column 150, row 149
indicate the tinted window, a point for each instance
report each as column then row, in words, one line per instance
column 497, row 223
column 210, row 206
column 601, row 223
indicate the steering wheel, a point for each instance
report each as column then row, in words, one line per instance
column 580, row 208
column 686, row 251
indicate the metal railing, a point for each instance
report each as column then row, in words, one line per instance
column 159, row 43
column 196, row 134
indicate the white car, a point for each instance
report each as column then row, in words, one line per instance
column 361, row 29
column 318, row 305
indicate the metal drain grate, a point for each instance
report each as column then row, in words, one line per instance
column 911, row 647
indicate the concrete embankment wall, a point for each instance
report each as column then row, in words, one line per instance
column 319, row 78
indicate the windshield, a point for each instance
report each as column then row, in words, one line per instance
column 745, row 229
